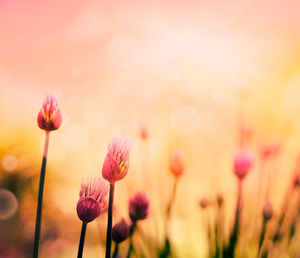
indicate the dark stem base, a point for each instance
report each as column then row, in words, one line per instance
column 109, row 221
column 81, row 242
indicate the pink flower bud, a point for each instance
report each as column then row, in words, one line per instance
column 93, row 196
column 49, row 117
column 270, row 149
column 267, row 210
column 242, row 164
column 116, row 163
column 120, row 231
column 144, row 132
column 176, row 163
column 138, row 207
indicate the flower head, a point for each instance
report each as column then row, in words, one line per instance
column 49, row 117
column 242, row 163
column 144, row 132
column 92, row 201
column 270, row 149
column 138, row 207
column 120, row 231
column 116, row 163
column 176, row 163
column 267, row 210
column 203, row 203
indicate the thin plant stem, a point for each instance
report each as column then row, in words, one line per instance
column 116, row 251
column 229, row 252
column 109, row 221
column 262, row 237
column 219, row 232
column 170, row 205
column 81, row 242
column 132, row 228
column 38, row 220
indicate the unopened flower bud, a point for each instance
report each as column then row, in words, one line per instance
column 120, row 231
column 138, row 207
column 116, row 163
column 49, row 117
column 176, row 163
column 267, row 210
column 92, row 201
column 242, row 164
column 203, row 203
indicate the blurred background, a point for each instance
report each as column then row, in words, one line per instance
column 205, row 77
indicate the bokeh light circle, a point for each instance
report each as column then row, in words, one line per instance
column 9, row 163
column 8, row 204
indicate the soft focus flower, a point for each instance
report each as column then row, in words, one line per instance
column 49, row 117
column 267, row 210
column 8, row 204
column 242, row 163
column 297, row 179
column 116, row 163
column 176, row 163
column 270, row 149
column 93, row 196
column 220, row 199
column 203, row 203
column 138, row 207
column 144, row 132
column 120, row 231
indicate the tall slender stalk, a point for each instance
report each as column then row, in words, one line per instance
column 262, row 237
column 170, row 205
column 229, row 252
column 38, row 220
column 116, row 251
column 81, row 242
column 109, row 221
column 132, row 228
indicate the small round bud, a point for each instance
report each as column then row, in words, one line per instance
column 267, row 210
column 144, row 132
column 120, row 231
column 297, row 180
column 138, row 207
column 176, row 163
column 220, row 200
column 203, row 203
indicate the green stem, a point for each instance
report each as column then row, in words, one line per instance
column 109, row 221
column 115, row 254
column 262, row 237
column 234, row 234
column 38, row 220
column 81, row 242
column 132, row 228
